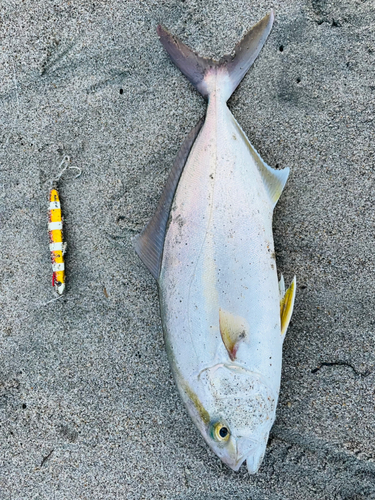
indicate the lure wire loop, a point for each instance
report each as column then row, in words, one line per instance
column 66, row 160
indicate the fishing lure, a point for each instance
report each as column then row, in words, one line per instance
column 57, row 245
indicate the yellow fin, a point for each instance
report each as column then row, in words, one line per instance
column 233, row 330
column 286, row 304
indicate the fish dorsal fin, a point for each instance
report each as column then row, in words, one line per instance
column 150, row 243
column 286, row 303
column 233, row 330
column 274, row 180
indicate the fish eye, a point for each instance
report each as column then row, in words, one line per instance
column 221, row 432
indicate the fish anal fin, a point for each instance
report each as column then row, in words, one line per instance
column 150, row 243
column 274, row 180
column 233, row 330
column 286, row 307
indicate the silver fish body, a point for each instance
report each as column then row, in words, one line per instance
column 219, row 291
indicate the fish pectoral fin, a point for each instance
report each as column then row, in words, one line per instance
column 286, row 304
column 233, row 330
column 150, row 243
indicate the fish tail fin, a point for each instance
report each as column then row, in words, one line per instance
column 230, row 69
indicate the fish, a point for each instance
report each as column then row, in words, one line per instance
column 57, row 246
column 210, row 247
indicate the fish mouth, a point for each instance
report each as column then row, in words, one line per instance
column 246, row 449
column 252, row 463
column 235, row 465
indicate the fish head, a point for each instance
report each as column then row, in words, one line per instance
column 234, row 449
column 239, row 410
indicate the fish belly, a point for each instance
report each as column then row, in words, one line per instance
column 219, row 255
